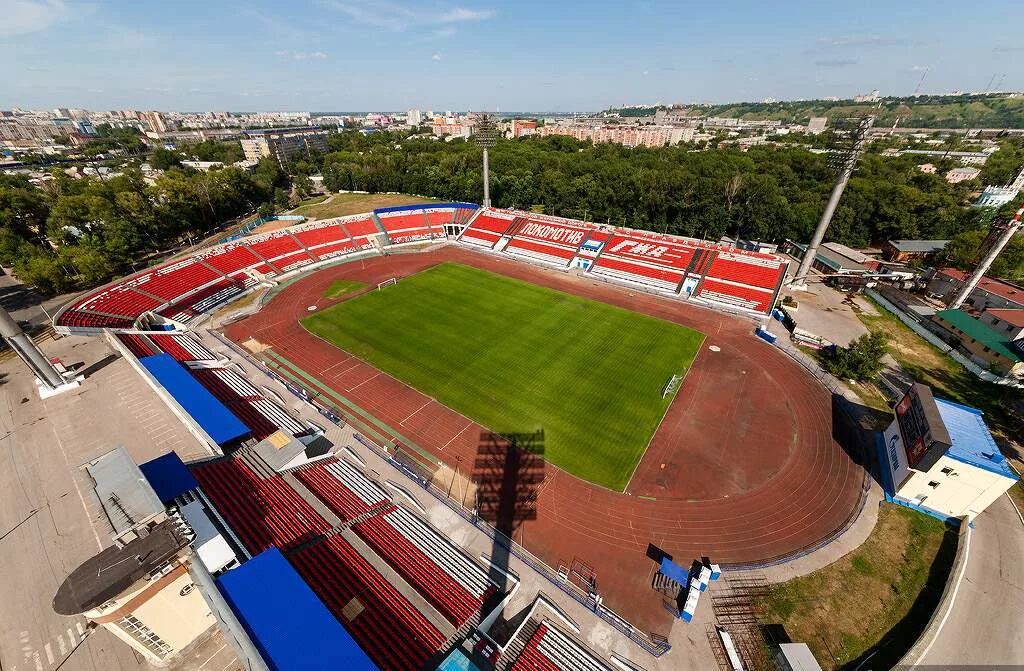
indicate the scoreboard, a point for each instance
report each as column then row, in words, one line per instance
column 925, row 437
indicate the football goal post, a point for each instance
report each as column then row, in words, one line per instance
column 671, row 386
column 387, row 283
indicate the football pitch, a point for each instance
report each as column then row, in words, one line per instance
column 518, row 358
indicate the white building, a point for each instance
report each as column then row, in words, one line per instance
column 939, row 457
column 997, row 196
column 414, row 117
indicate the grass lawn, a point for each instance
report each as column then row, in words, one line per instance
column 928, row 365
column 519, row 358
column 880, row 595
column 342, row 204
column 339, row 288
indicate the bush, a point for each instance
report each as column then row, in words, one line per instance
column 861, row 360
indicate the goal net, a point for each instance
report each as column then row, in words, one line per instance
column 671, row 386
column 387, row 283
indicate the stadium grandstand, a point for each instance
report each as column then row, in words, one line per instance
column 182, row 292
column 401, row 588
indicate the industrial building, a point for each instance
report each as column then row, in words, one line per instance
column 939, row 457
column 139, row 588
column 990, row 292
column 901, row 251
column 992, row 349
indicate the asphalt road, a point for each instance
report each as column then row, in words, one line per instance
column 986, row 621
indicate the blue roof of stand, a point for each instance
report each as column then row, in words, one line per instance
column 209, row 413
column 289, row 624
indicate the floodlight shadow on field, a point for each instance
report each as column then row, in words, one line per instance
column 508, row 470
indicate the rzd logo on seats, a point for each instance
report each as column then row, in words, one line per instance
column 565, row 236
column 639, row 249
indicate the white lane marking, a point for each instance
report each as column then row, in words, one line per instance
column 60, row 645
column 210, row 658
column 48, row 649
column 952, row 599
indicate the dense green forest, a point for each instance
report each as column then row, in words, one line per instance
column 78, row 232
column 926, row 111
column 72, row 233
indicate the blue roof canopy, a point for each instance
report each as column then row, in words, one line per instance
column 287, row 622
column 972, row 441
column 424, row 206
column 209, row 413
column 169, row 476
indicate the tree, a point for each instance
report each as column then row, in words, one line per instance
column 861, row 360
column 164, row 159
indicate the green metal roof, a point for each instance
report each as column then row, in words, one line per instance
column 979, row 331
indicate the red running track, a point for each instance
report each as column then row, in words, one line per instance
column 744, row 467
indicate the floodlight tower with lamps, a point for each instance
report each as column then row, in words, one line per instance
column 486, row 135
column 845, row 158
column 995, row 241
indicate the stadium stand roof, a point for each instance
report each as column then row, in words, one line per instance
column 972, row 442
column 214, row 418
column 424, row 206
column 169, row 476
column 288, row 623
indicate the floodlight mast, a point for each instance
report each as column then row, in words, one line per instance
column 486, row 136
column 28, row 352
column 846, row 161
column 997, row 239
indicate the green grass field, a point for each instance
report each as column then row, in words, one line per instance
column 339, row 288
column 516, row 358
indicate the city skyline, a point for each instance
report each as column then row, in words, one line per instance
column 334, row 55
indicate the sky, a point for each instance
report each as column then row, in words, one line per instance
column 550, row 56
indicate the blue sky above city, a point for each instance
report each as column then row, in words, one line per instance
column 372, row 55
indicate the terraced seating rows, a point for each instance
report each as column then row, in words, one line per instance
column 734, row 294
column 136, row 344
column 182, row 347
column 342, row 488
column 393, row 633
column 754, row 271
column 264, row 512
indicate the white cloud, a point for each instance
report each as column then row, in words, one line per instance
column 19, row 17
column 387, row 15
column 435, row 57
column 301, row 55
column 835, row 62
column 446, row 32
column 841, row 41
